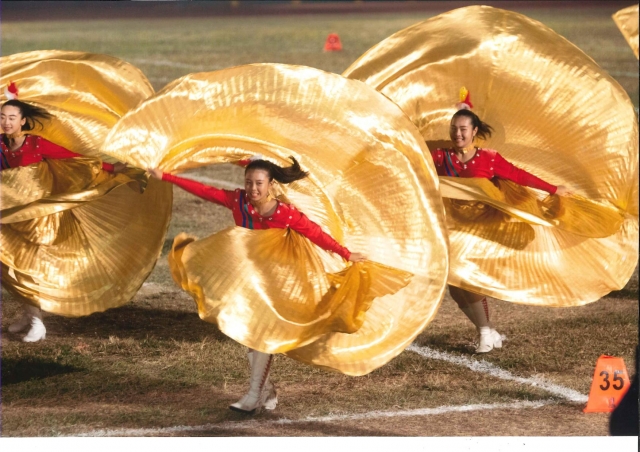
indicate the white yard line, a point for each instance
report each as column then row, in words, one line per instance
column 474, row 365
column 329, row 418
column 495, row 371
column 164, row 63
column 623, row 74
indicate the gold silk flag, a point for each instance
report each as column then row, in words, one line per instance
column 370, row 187
column 74, row 239
column 556, row 114
column 627, row 21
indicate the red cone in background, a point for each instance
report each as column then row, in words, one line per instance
column 332, row 43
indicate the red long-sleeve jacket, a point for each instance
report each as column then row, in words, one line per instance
column 34, row 150
column 486, row 163
column 244, row 214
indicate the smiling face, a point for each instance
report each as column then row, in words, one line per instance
column 11, row 119
column 257, row 184
column 462, row 131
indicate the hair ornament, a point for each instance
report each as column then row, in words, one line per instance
column 11, row 91
column 245, row 162
column 465, row 100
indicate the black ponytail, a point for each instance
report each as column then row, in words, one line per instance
column 283, row 175
column 484, row 129
column 34, row 115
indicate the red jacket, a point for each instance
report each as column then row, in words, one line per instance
column 489, row 164
column 34, row 150
column 244, row 214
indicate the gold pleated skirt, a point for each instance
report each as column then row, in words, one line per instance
column 74, row 239
column 268, row 289
column 556, row 114
column 370, row 187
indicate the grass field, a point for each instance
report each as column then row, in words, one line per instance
column 153, row 365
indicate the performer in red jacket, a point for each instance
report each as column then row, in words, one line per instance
column 20, row 149
column 255, row 208
column 467, row 160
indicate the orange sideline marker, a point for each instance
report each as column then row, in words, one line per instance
column 609, row 385
column 332, row 43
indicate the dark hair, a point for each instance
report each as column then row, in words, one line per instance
column 484, row 129
column 34, row 115
column 283, row 175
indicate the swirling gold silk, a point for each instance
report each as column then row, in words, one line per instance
column 627, row 21
column 75, row 239
column 370, row 187
column 85, row 92
column 301, row 302
column 556, row 114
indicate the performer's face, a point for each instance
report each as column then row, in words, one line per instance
column 462, row 131
column 256, row 184
column 11, row 119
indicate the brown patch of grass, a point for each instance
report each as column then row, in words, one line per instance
column 153, row 363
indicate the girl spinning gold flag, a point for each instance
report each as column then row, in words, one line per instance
column 76, row 236
column 268, row 282
column 556, row 115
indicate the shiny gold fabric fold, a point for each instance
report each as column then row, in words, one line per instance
column 89, row 258
column 86, row 92
column 53, row 186
column 569, row 213
column 258, row 285
column 74, row 238
column 627, row 21
column 559, row 116
column 370, row 187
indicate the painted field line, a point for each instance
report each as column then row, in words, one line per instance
column 164, row 63
column 624, row 74
column 330, row 418
column 495, row 371
column 150, row 288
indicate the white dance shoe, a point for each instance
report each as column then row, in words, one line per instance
column 37, row 332
column 488, row 340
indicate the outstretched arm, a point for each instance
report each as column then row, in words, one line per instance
column 203, row 191
column 506, row 170
column 49, row 150
column 302, row 224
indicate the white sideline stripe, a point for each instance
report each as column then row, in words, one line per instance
column 495, row 371
column 164, row 63
column 216, row 182
column 623, row 74
column 150, row 288
column 339, row 417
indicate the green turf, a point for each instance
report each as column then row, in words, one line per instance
column 153, row 363
column 166, row 49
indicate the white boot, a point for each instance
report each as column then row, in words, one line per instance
column 270, row 395
column 489, row 338
column 22, row 322
column 37, row 332
column 253, row 401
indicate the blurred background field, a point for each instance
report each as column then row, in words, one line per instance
column 154, row 364
column 166, row 48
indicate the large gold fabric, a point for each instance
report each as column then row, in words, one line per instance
column 86, row 92
column 75, row 239
column 370, row 187
column 556, row 114
column 291, row 296
column 627, row 21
